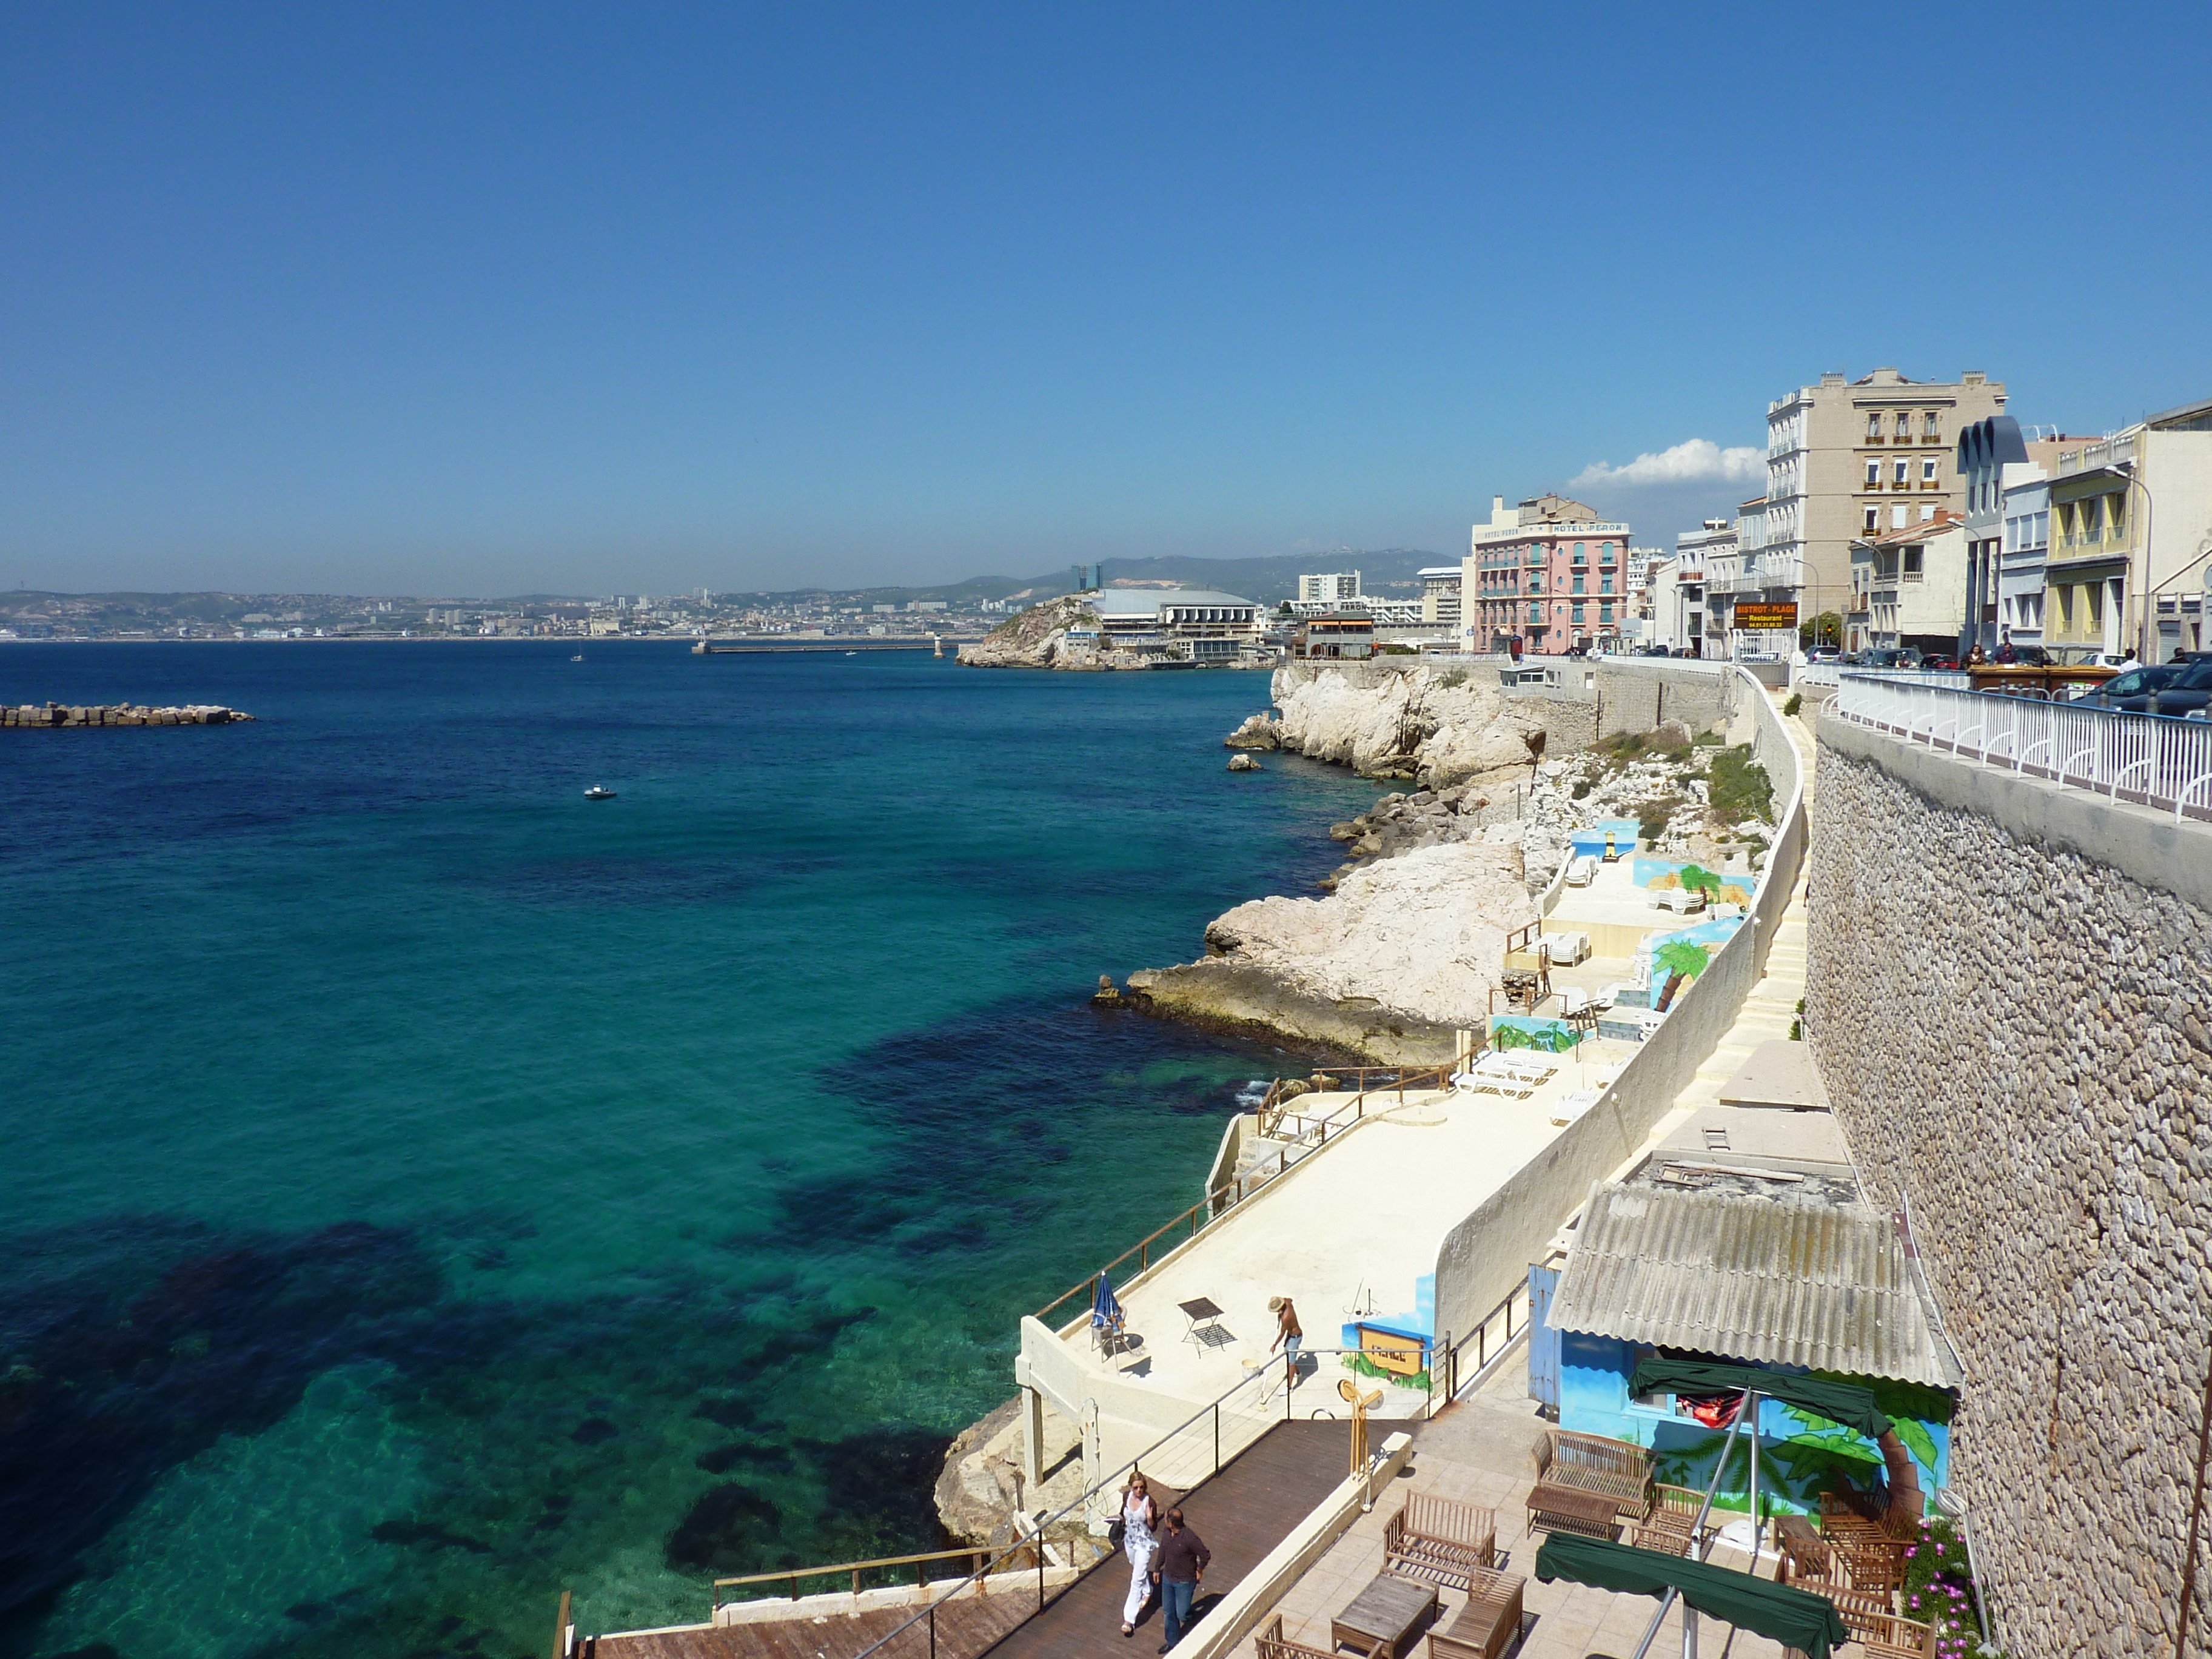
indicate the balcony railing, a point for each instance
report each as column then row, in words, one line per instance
column 2150, row 759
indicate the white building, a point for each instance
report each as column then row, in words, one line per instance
column 1199, row 624
column 1909, row 588
column 1713, row 550
column 2026, row 501
column 1332, row 588
column 1440, row 596
column 1678, row 604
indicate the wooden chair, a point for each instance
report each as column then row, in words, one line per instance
column 1872, row 1551
column 1272, row 1644
column 1619, row 1469
column 1670, row 1528
column 1489, row 1622
column 1440, row 1539
column 1892, row 1636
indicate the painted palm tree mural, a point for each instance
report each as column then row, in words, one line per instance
column 1802, row 1455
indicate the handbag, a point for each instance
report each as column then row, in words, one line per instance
column 1117, row 1532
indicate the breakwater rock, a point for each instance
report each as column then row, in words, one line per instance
column 1405, row 952
column 52, row 714
column 1439, row 726
column 1260, row 731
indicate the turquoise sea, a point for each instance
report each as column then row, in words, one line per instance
column 425, row 1190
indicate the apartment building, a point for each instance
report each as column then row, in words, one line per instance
column 1846, row 459
column 1721, row 558
column 1330, row 587
column 2026, row 506
column 1908, row 587
column 2130, row 534
column 1548, row 570
column 1440, row 597
column 1677, row 604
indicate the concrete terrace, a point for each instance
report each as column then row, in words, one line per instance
column 1351, row 1227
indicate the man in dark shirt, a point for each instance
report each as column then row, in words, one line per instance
column 1180, row 1568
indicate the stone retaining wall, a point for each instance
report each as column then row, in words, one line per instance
column 2009, row 997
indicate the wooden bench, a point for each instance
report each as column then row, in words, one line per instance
column 1892, row 1636
column 1619, row 1469
column 1489, row 1622
column 1442, row 1540
column 1273, row 1644
column 1570, row 1509
column 1872, row 1551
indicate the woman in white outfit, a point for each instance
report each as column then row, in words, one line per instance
column 1140, row 1522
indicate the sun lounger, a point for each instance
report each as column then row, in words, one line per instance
column 1572, row 1104
column 1582, row 870
column 1682, row 901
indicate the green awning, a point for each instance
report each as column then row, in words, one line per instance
column 1839, row 1403
column 1797, row 1619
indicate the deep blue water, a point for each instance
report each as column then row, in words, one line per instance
column 426, row 1190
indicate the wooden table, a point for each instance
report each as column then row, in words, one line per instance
column 1383, row 1616
column 1570, row 1509
column 1205, row 1326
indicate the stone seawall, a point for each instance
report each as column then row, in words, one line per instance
column 53, row 715
column 2009, row 997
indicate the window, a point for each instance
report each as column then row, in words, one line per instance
column 1915, row 566
column 1605, row 583
column 1874, row 428
column 1605, row 552
column 1903, row 424
column 2115, row 511
column 1578, row 581
column 1897, row 520
column 1928, row 476
column 1931, row 425
column 1874, row 475
column 1604, row 613
column 1535, row 613
column 1577, row 616
column 2039, row 532
column 1579, row 552
column 1872, row 519
column 1926, row 513
column 1898, row 471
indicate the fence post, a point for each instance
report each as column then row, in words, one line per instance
column 932, row 1630
column 561, row 1627
column 1217, row 1437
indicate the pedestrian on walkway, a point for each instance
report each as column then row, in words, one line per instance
column 1290, row 1337
column 1141, row 1525
column 1180, row 1568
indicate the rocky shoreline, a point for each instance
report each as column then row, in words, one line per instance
column 54, row 715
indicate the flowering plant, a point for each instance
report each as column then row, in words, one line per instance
column 1939, row 1587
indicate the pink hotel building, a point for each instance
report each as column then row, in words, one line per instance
column 1550, row 570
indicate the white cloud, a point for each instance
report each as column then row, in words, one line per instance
column 1700, row 460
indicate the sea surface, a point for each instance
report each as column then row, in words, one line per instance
column 422, row 1190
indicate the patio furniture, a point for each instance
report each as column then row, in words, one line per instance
column 1571, row 1508
column 1670, row 1526
column 1383, row 1617
column 1205, row 1323
column 1892, row 1636
column 1440, row 1539
column 1682, row 901
column 1873, row 1552
column 1489, row 1622
column 1572, row 1104
column 1567, row 949
column 1272, row 1643
column 1618, row 1469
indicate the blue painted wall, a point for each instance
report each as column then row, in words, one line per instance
column 1799, row 1456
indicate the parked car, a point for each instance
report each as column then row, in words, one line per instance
column 1823, row 654
column 2187, row 693
column 2130, row 692
column 1939, row 660
column 2027, row 656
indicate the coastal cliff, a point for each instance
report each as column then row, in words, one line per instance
column 1442, row 726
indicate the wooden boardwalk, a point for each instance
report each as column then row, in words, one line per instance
column 1242, row 1513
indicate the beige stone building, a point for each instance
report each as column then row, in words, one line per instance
column 1846, row 459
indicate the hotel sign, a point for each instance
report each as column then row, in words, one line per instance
column 1765, row 618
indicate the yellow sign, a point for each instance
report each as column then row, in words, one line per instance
column 1765, row 618
column 1395, row 1354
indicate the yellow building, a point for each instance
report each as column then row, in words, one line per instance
column 2130, row 530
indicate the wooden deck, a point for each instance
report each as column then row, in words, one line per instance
column 1241, row 1514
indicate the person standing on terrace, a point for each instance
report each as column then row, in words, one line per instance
column 1182, row 1569
column 1290, row 1337
column 1140, row 1522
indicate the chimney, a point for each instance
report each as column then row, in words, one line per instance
column 1973, row 377
column 1836, row 379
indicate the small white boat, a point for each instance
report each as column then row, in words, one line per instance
column 578, row 657
column 598, row 792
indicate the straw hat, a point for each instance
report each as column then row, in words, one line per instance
column 1275, row 1303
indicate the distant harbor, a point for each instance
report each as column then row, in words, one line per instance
column 53, row 715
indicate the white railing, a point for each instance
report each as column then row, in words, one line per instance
column 1815, row 673
column 2153, row 760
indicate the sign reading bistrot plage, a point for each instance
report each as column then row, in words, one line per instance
column 1765, row 619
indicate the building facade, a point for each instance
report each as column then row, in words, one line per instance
column 1440, row 597
column 1908, row 587
column 1197, row 623
column 1677, row 618
column 1846, row 459
column 1719, row 555
column 2130, row 535
column 1548, row 571
column 1990, row 453
column 2026, row 536
column 1330, row 587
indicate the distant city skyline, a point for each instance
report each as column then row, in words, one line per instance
column 508, row 300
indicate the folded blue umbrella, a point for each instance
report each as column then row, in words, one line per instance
column 1105, row 1310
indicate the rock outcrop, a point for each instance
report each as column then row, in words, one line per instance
column 124, row 714
column 1440, row 727
column 1038, row 638
column 1245, row 763
column 1405, row 950
column 1260, row 731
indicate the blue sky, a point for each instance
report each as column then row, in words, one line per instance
column 471, row 298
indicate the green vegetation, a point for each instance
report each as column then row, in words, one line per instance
column 1452, row 676
column 1789, row 709
column 1939, row 1587
column 1741, row 787
column 1583, row 787
column 1651, row 821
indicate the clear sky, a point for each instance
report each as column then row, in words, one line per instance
column 471, row 298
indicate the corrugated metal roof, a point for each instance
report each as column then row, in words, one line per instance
column 1821, row 1285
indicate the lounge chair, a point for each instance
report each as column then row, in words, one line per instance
column 1582, row 870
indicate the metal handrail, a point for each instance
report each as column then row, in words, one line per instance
column 793, row 1575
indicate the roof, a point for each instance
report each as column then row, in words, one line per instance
column 1774, row 1281
column 1147, row 601
column 1945, row 519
